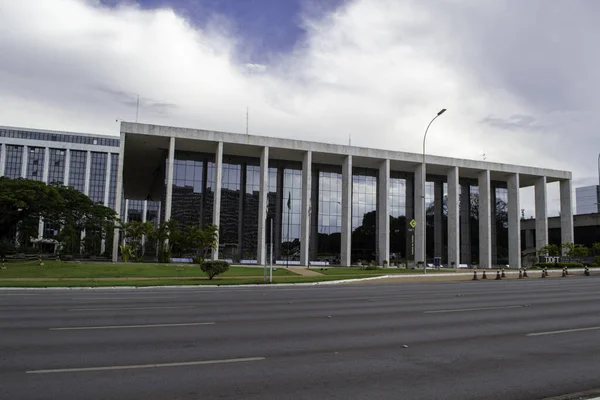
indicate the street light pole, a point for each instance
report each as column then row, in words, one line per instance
column 423, row 181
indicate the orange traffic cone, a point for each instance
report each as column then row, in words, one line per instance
column 475, row 276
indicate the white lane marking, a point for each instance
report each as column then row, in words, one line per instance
column 18, row 294
column 470, row 309
column 593, row 328
column 140, row 366
column 132, row 297
column 128, row 308
column 85, row 328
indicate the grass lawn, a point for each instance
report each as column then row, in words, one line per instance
column 381, row 271
column 63, row 269
column 164, row 282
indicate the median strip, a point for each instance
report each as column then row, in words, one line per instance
column 85, row 328
column 593, row 328
column 142, row 366
column 129, row 308
column 470, row 309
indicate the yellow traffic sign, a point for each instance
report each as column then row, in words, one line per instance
column 412, row 223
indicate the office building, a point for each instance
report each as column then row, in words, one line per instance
column 332, row 202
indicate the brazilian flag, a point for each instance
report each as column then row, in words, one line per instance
column 289, row 203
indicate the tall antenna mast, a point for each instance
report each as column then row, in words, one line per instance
column 137, row 109
column 247, row 108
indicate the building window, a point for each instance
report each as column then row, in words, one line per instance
column 35, row 163
column 98, row 177
column 77, row 170
column 56, row 166
column 14, row 161
column 114, row 169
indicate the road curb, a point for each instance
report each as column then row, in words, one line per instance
column 265, row 285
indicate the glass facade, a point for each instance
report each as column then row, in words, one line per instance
column 35, row 163
column 251, row 208
column 98, row 176
column 56, row 165
column 587, row 199
column 77, row 170
column 329, row 219
column 14, row 161
column 364, row 214
column 397, row 204
column 188, row 200
column 114, row 169
column 291, row 211
column 59, row 137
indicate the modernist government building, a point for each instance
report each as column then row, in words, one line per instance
column 316, row 202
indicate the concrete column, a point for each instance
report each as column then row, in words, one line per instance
column 453, row 218
column 24, row 162
column 170, row 167
column 2, row 159
column 126, row 212
column 420, row 229
column 566, row 212
column 494, row 228
column 68, row 167
column 262, row 253
column 304, row 212
column 88, row 171
column 46, row 165
column 465, row 224
column 119, row 192
column 217, row 198
column 278, row 225
column 438, row 212
column 410, row 214
column 346, row 242
column 383, row 213
column 107, row 180
column 45, row 180
column 514, row 222
column 314, row 215
column 144, row 219
column 485, row 232
column 541, row 213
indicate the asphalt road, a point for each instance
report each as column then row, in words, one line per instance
column 402, row 341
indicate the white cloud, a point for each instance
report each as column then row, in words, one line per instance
column 378, row 70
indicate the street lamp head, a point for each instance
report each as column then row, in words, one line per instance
column 443, row 110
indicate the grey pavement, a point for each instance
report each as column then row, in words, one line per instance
column 510, row 339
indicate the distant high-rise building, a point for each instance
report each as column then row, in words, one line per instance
column 587, row 199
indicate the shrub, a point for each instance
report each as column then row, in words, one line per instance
column 214, row 268
column 597, row 261
column 372, row 266
column 558, row 265
column 385, row 263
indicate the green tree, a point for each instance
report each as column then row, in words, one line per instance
column 596, row 248
column 575, row 250
column 23, row 202
column 134, row 231
column 203, row 241
column 550, row 250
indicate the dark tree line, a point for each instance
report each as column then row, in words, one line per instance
column 73, row 223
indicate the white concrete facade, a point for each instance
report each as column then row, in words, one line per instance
column 383, row 213
column 453, row 217
column 453, row 171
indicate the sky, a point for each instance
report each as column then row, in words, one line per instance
column 519, row 78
